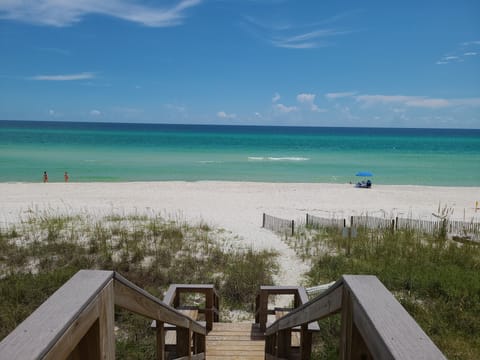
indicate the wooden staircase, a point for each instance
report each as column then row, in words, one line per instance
column 78, row 322
column 235, row 341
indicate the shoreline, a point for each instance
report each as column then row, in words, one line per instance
column 12, row 182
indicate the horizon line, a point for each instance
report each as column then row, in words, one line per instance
column 239, row 125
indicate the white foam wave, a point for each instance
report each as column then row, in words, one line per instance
column 286, row 158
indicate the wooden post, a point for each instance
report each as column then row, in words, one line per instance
column 351, row 221
column 393, row 225
column 306, row 220
column 346, row 326
column 349, row 240
column 216, row 302
column 293, row 227
column 344, row 222
column 107, row 322
column 198, row 343
column 184, row 341
column 270, row 344
column 263, row 310
column 209, row 309
column 305, row 343
column 176, row 299
column 284, row 343
column 160, row 340
column 263, row 221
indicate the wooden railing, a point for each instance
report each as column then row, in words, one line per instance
column 300, row 298
column 77, row 321
column 374, row 324
column 211, row 310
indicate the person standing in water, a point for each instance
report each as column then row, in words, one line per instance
column 65, row 176
column 45, row 177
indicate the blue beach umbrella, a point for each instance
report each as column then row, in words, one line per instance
column 364, row 173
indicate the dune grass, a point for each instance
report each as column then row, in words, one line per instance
column 435, row 279
column 42, row 252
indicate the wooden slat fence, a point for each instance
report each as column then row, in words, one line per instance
column 426, row 226
column 463, row 228
column 453, row 227
column 316, row 221
column 372, row 222
column 279, row 225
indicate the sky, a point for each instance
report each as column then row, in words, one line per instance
column 365, row 63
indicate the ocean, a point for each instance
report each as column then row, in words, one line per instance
column 162, row 152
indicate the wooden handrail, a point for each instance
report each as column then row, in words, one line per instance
column 149, row 306
column 261, row 306
column 211, row 310
column 374, row 324
column 78, row 321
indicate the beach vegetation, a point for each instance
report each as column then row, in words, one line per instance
column 436, row 280
column 41, row 253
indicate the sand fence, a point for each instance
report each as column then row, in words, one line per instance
column 453, row 228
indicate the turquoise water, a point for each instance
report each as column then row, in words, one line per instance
column 140, row 152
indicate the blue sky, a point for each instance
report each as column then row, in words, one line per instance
column 264, row 62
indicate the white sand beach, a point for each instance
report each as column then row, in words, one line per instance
column 238, row 206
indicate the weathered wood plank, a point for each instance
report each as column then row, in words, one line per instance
column 132, row 298
column 235, row 341
column 200, row 356
column 387, row 328
column 160, row 341
column 107, row 323
column 91, row 335
column 36, row 336
column 328, row 303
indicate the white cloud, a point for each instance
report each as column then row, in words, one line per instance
column 464, row 51
column 95, row 112
column 428, row 103
column 468, row 43
column 308, row 40
column 68, row 77
column 383, row 99
column 466, row 102
column 224, row 115
column 67, row 12
column 285, row 35
column 306, row 98
column 309, row 100
column 416, row 101
column 275, row 97
column 339, row 95
column 285, row 109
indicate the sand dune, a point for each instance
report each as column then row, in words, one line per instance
column 238, row 206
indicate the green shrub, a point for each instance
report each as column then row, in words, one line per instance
column 436, row 280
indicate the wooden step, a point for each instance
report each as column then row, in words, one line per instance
column 235, row 341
